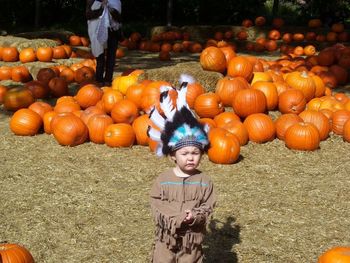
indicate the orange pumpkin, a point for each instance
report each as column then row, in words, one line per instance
column 97, row 125
column 335, row 255
column 339, row 118
column 110, row 98
column 20, row 74
column 27, row 55
column 69, row 130
column 224, row 146
column 291, row 101
column 47, row 118
column 124, row 111
column 88, row 95
column 89, row 112
column 208, row 122
column 213, row 59
column 193, row 91
column 260, row 128
column 3, row 91
column 208, row 105
column 227, row 87
column 67, row 74
column 302, row 136
column 270, row 91
column 140, row 126
column 283, row 122
column 17, row 98
column 302, row 81
column 40, row 107
column 14, row 253
column 5, row 72
column 249, row 101
column 237, row 128
column 10, row 54
column 119, row 135
column 25, row 122
column 346, row 131
column 44, row 54
column 320, row 121
column 240, row 67
column 225, row 117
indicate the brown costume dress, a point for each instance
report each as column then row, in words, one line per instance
column 170, row 197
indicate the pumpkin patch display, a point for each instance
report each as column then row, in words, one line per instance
column 335, row 255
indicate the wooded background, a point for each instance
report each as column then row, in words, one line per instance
column 30, row 15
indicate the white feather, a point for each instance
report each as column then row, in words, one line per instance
column 159, row 151
column 156, row 118
column 167, row 107
column 206, row 128
column 181, row 98
column 154, row 134
column 186, row 78
column 164, row 88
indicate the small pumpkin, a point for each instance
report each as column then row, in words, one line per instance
column 213, row 59
column 140, row 126
column 40, row 107
column 227, row 87
column 240, row 67
column 14, row 253
column 44, row 54
column 339, row 118
column 335, row 255
column 88, row 95
column 97, row 125
column 110, row 98
column 25, row 122
column 17, row 98
column 124, row 111
column 291, row 101
column 224, row 118
column 260, row 127
column 208, row 105
column 119, row 135
column 319, row 120
column 270, row 91
column 302, row 136
column 237, row 128
column 283, row 122
column 249, row 101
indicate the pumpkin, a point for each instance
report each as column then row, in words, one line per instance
column 47, row 118
column 59, row 52
column 213, row 59
column 122, row 83
column 291, row 101
column 340, row 73
column 320, row 121
column 25, row 122
column 335, row 255
column 119, row 135
column 319, row 85
column 224, row 146
column 314, row 23
column 260, row 21
column 75, row 40
column 208, row 122
column 38, row 89
column 89, row 112
column 237, row 128
column 346, row 131
column 58, row 87
column 208, row 105
column 44, row 75
column 140, row 127
column 5, row 72
column 124, row 111
column 27, row 55
column 3, row 91
column 261, row 76
column 283, row 122
column 84, row 74
column 225, row 117
column 249, row 101
column 281, row 86
column 339, row 118
column 240, row 67
column 17, row 98
column 44, row 54
column 337, row 27
column 66, row 106
column 326, row 57
column 309, row 50
column 88, row 95
column 302, row 81
column 193, row 91
column 302, row 136
column 69, row 130
column 260, row 127
column 10, row 54
column 270, row 91
column 151, row 94
column 274, row 34
column 97, row 125
column 14, row 253
column 20, row 74
column 110, row 98
column 40, row 107
column 227, row 87
column 247, row 23
column 67, row 74
column 277, row 22
column 228, row 52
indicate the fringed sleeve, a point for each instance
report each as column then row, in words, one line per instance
column 202, row 212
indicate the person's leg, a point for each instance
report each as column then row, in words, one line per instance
column 161, row 254
column 194, row 256
column 112, row 45
column 100, row 65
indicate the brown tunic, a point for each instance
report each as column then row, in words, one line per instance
column 170, row 197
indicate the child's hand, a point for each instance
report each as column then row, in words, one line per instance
column 189, row 217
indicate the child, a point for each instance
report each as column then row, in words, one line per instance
column 182, row 198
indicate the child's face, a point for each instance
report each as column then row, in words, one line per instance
column 187, row 158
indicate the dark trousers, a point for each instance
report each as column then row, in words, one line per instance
column 106, row 61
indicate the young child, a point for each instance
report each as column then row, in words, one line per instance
column 182, row 198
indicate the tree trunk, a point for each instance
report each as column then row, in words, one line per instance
column 275, row 7
column 169, row 16
column 37, row 13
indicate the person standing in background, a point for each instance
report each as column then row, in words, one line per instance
column 104, row 28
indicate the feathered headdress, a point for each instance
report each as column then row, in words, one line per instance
column 179, row 127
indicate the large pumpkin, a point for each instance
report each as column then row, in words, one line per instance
column 237, row 128
column 140, row 126
column 40, row 107
column 69, row 130
column 213, row 59
column 122, row 83
column 208, row 105
column 270, row 91
column 124, row 111
column 224, row 146
column 134, row 93
column 249, row 101
column 44, row 54
column 319, row 120
column 88, row 95
column 193, row 91
column 291, row 101
column 13, row 253
column 227, row 87
column 283, row 122
column 17, row 98
column 38, row 89
column 119, row 135
column 335, row 255
column 339, row 118
column 224, row 118
column 302, row 81
column 97, row 125
column 260, row 128
column 110, row 98
column 25, row 122
column 302, row 136
column 47, row 118
column 240, row 67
